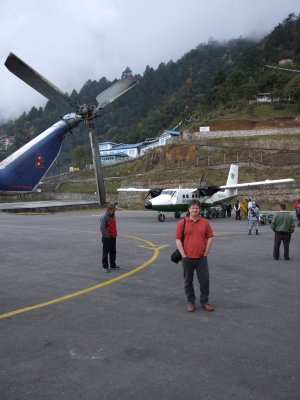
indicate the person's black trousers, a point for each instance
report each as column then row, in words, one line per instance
column 109, row 250
column 238, row 215
column 284, row 237
column 201, row 266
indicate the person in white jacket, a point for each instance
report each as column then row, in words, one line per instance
column 253, row 217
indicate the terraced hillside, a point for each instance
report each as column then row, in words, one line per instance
column 184, row 162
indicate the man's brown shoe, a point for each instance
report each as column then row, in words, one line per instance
column 191, row 307
column 207, row 307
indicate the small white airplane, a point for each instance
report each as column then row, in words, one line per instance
column 177, row 200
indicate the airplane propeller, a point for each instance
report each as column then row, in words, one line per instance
column 154, row 192
column 206, row 191
column 64, row 102
column 39, row 83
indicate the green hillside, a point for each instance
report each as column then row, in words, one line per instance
column 215, row 80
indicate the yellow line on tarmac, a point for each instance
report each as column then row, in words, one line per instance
column 150, row 246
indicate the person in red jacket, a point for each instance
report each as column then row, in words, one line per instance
column 108, row 228
column 194, row 249
column 297, row 209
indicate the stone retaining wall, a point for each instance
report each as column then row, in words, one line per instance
column 237, row 133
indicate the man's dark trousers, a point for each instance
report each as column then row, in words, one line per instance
column 286, row 238
column 201, row 267
column 109, row 249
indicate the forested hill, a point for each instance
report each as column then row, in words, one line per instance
column 215, row 76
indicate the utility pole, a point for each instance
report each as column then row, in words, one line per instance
column 98, row 168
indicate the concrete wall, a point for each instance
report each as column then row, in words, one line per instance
column 239, row 133
column 110, row 197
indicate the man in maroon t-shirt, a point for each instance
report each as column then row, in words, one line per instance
column 194, row 249
column 108, row 228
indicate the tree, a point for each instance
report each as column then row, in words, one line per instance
column 293, row 89
column 252, row 60
column 126, row 72
column 81, row 156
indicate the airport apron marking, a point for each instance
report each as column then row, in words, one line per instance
column 147, row 244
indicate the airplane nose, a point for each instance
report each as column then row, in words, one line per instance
column 148, row 204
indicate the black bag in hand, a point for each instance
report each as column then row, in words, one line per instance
column 176, row 256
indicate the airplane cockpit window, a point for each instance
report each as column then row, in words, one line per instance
column 169, row 192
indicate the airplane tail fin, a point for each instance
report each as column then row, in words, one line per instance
column 22, row 170
column 232, row 179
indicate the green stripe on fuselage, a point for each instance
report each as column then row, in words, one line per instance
column 171, row 207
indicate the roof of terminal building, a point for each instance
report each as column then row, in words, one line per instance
column 128, row 146
column 171, row 132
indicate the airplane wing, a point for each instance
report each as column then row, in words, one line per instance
column 133, row 190
column 153, row 192
column 259, row 183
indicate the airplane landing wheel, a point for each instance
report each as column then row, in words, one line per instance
column 177, row 214
column 161, row 217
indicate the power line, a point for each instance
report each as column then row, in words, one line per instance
column 283, row 69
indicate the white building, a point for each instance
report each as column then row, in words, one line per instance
column 263, row 98
column 111, row 152
column 160, row 141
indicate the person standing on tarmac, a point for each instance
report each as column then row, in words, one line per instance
column 244, row 208
column 108, row 228
column 297, row 209
column 224, row 210
column 237, row 209
column 194, row 248
column 283, row 225
column 228, row 210
column 253, row 216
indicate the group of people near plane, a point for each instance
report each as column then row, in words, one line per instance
column 193, row 239
column 245, row 209
column 241, row 209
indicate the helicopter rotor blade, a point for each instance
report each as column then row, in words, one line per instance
column 39, row 83
column 116, row 90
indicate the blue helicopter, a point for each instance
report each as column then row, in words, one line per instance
column 22, row 171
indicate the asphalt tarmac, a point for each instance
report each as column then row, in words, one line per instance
column 68, row 331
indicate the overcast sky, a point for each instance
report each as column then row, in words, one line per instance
column 71, row 41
